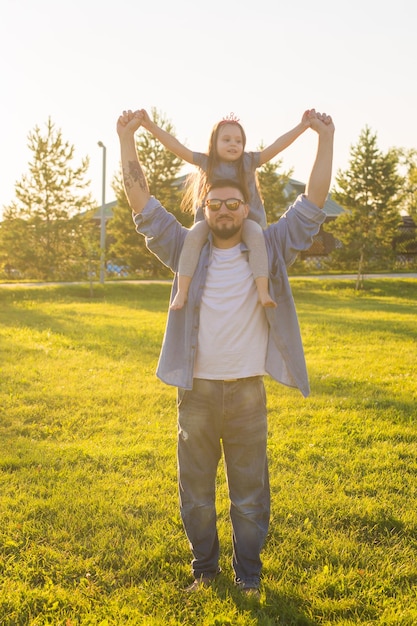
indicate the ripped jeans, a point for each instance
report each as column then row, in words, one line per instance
column 232, row 415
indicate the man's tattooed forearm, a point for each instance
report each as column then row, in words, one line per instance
column 133, row 174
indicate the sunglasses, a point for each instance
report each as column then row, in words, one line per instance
column 214, row 204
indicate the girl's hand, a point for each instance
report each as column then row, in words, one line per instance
column 307, row 116
column 146, row 120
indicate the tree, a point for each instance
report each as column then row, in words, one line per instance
column 408, row 159
column 371, row 192
column 42, row 230
column 272, row 187
column 412, row 190
column 405, row 242
column 161, row 168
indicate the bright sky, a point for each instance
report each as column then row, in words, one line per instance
column 84, row 61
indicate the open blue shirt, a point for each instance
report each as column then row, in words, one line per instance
column 284, row 239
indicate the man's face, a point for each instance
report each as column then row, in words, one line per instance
column 226, row 224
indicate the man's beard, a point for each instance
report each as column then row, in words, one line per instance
column 225, row 233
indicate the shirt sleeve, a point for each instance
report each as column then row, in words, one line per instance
column 164, row 235
column 295, row 229
column 252, row 160
column 200, row 160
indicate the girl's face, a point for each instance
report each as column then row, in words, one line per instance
column 229, row 142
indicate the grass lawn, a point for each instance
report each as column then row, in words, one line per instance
column 90, row 531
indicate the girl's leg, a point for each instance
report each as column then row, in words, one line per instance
column 182, row 293
column 258, row 260
column 190, row 254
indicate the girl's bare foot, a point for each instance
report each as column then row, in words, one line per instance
column 263, row 292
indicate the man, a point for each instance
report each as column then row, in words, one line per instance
column 218, row 347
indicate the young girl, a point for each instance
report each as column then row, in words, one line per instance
column 226, row 159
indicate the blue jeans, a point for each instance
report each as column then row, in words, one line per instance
column 233, row 415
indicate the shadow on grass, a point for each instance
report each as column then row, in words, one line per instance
column 149, row 297
column 373, row 288
column 349, row 322
column 367, row 395
column 93, row 328
column 272, row 609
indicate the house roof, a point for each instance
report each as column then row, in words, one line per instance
column 108, row 211
column 407, row 222
column 331, row 207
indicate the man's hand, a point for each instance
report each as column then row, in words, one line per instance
column 321, row 122
column 311, row 119
column 128, row 123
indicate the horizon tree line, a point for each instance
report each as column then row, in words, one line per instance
column 48, row 231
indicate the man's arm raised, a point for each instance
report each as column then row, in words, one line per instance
column 319, row 182
column 135, row 184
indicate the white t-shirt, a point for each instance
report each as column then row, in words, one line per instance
column 233, row 332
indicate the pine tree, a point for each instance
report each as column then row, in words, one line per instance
column 370, row 192
column 405, row 242
column 42, row 230
column 409, row 160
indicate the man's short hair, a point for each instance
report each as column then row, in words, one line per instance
column 221, row 183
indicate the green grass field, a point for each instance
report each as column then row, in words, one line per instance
column 90, row 532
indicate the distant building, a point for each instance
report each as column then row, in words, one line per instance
column 405, row 244
column 108, row 211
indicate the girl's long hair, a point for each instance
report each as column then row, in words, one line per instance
column 197, row 182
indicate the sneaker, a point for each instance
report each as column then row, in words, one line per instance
column 248, row 590
column 198, row 584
